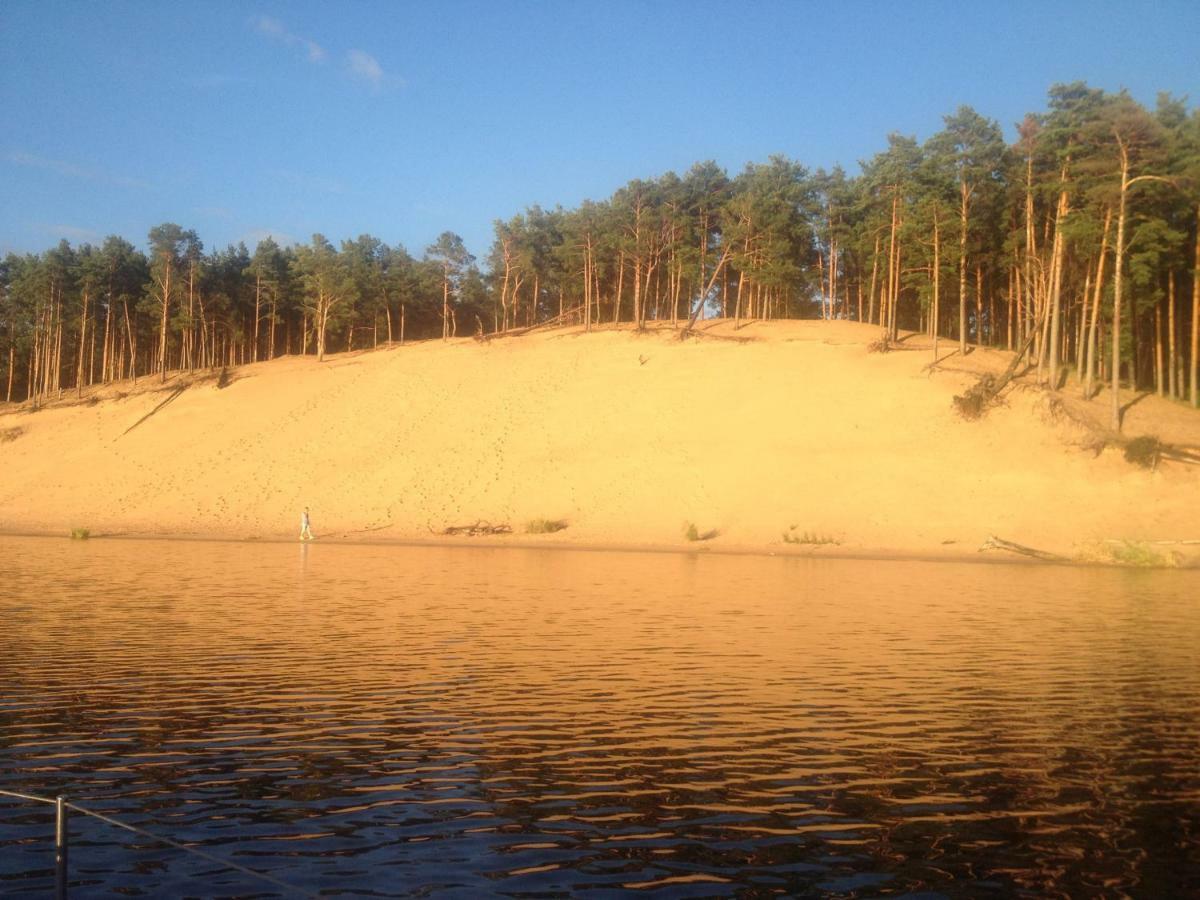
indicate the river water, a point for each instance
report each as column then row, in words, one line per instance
column 463, row 721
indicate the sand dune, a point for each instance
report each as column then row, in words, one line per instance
column 627, row 437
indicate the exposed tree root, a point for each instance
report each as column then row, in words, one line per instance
column 975, row 401
column 883, row 345
column 1145, row 450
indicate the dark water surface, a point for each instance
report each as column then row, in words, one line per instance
column 394, row 721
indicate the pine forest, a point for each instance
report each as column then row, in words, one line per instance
column 1078, row 245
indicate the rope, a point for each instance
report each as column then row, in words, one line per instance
column 29, row 797
column 186, row 848
column 291, row 889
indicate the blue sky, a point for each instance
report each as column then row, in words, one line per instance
column 407, row 119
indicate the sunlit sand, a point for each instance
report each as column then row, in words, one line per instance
column 794, row 429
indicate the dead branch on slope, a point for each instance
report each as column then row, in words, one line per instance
column 562, row 319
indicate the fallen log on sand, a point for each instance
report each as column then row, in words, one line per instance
column 995, row 543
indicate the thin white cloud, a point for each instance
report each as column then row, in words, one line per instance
column 74, row 170
column 364, row 66
column 277, row 31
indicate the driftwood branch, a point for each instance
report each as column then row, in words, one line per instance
column 475, row 529
column 995, row 543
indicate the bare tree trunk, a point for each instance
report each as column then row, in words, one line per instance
column 875, row 268
column 446, row 302
column 132, row 339
column 1081, row 336
column 1118, row 268
column 1159, row 379
column 821, row 280
column 506, row 249
column 1030, row 288
column 1194, row 388
column 894, row 303
column 964, row 212
column 165, row 286
column 91, row 363
column 191, row 329
column 257, row 313
column 1014, row 306
column 104, row 356
column 620, row 288
column 83, row 320
column 885, row 306
column 587, row 284
column 937, row 283
column 991, row 320
column 978, row 303
column 30, row 382
column 1056, row 267
column 1090, row 367
column 1173, row 385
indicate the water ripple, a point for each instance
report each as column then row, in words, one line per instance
column 398, row 721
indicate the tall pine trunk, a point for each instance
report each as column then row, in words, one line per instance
column 964, row 215
column 1172, row 384
column 1090, row 366
column 1193, row 385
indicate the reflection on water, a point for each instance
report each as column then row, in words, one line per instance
column 395, row 720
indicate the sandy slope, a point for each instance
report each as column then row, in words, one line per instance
column 627, row 437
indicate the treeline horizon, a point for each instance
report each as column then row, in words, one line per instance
column 1078, row 244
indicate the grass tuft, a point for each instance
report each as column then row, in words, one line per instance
column 545, row 526
column 692, row 533
column 1139, row 554
column 810, row 538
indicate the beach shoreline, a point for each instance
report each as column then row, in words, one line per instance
column 776, row 438
column 524, row 542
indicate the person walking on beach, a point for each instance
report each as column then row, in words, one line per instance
column 305, row 529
